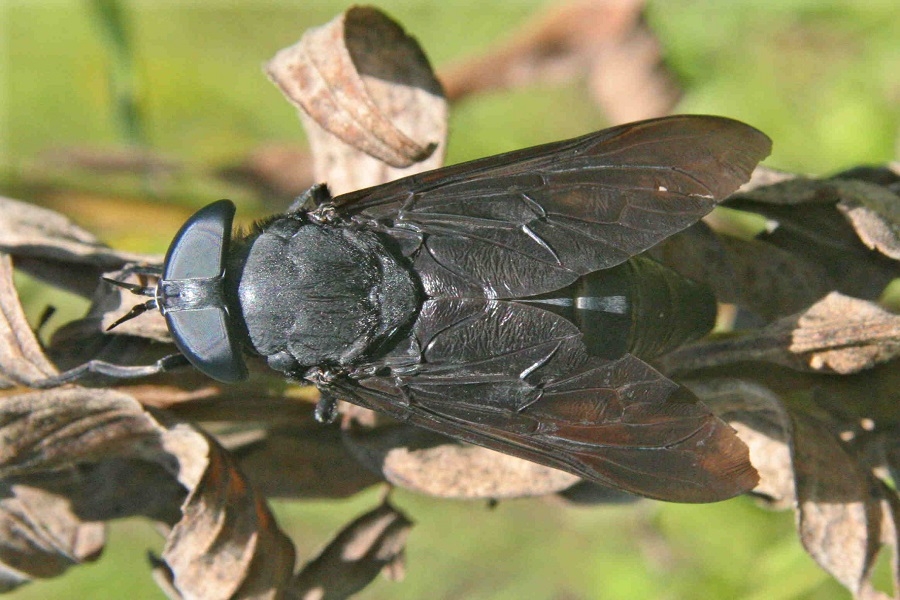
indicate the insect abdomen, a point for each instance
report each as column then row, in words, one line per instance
column 640, row 307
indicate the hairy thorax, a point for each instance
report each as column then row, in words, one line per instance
column 315, row 294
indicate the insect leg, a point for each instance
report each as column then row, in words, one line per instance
column 326, row 408
column 101, row 367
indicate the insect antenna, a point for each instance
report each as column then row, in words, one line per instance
column 139, row 290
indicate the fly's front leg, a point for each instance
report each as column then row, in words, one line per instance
column 101, row 367
column 311, row 200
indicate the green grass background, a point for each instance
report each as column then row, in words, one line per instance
column 821, row 77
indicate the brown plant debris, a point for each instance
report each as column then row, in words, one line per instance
column 371, row 544
column 368, row 99
column 606, row 42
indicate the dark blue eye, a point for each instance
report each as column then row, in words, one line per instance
column 192, row 298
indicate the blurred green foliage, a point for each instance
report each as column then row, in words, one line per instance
column 819, row 76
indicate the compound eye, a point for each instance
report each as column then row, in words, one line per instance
column 203, row 330
column 205, row 338
column 198, row 250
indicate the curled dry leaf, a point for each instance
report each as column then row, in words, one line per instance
column 764, row 176
column 806, row 220
column 41, row 536
column 59, row 428
column 761, row 278
column 432, row 464
column 46, row 524
column 163, row 577
column 74, row 441
column 371, row 544
column 21, row 359
column 762, row 281
column 227, row 544
column 802, row 463
column 50, row 521
column 367, row 96
column 845, row 335
column 839, row 511
column 807, row 250
column 838, row 334
column 874, row 213
column 142, row 487
column 50, row 246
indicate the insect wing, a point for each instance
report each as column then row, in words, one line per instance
column 533, row 220
column 517, row 379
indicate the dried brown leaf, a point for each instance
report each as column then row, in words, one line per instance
column 371, row 544
column 48, row 522
column 50, row 246
column 838, row 334
column 839, row 511
column 805, row 220
column 802, row 463
column 46, row 241
column 769, row 281
column 367, row 96
column 21, row 359
column 114, row 488
column 793, row 191
column 58, row 428
column 845, row 335
column 53, row 520
column 41, row 536
column 874, row 213
column 163, row 577
column 764, row 176
column 304, row 462
column 886, row 175
column 432, row 464
column 227, row 544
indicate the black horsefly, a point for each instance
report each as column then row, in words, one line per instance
column 503, row 302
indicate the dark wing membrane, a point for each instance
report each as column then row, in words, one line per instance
column 517, row 379
column 533, row 220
